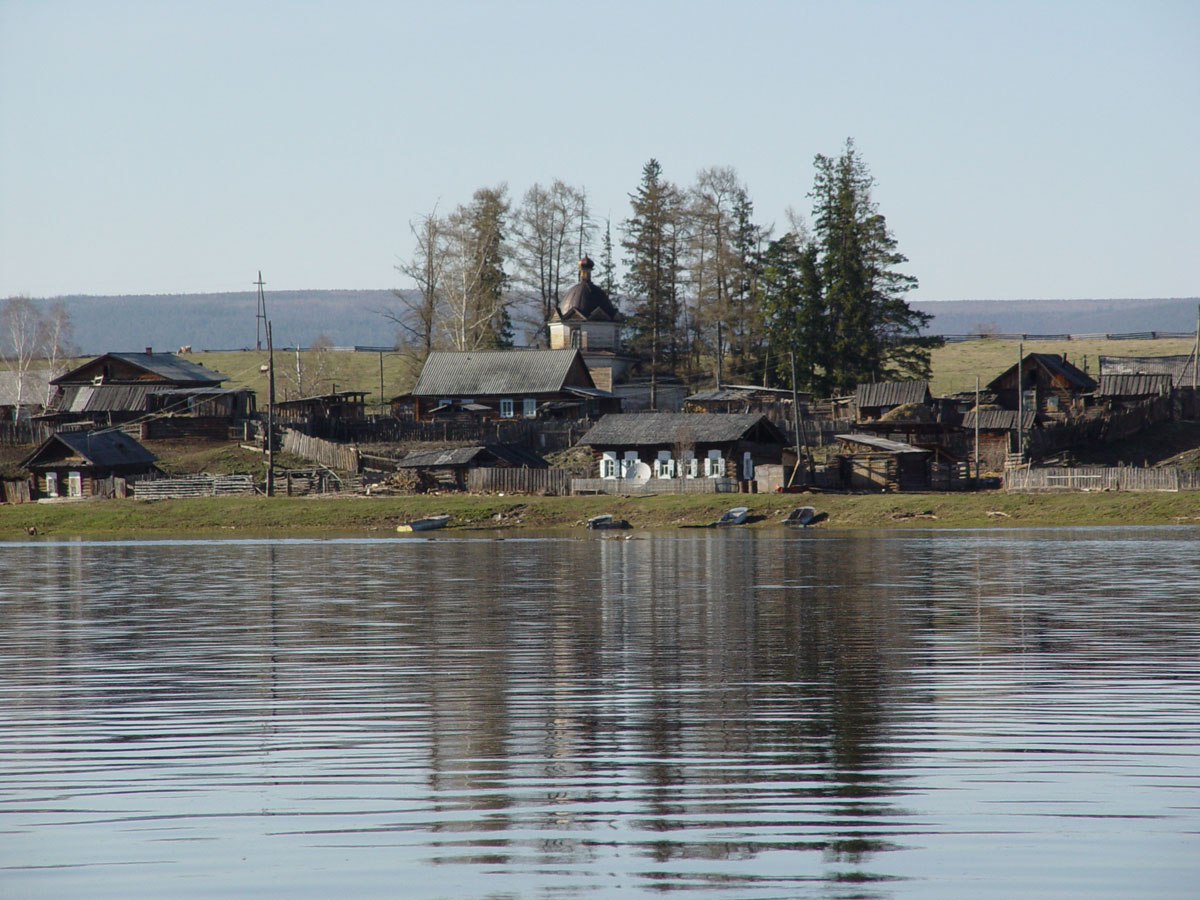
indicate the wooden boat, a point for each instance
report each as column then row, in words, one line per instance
column 427, row 524
column 800, row 517
column 606, row 522
column 735, row 516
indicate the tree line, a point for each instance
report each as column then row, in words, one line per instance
column 710, row 294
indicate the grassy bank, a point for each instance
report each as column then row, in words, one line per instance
column 343, row 516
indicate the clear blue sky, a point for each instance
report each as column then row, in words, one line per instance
column 1021, row 149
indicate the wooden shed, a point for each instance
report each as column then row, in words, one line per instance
column 450, row 467
column 869, row 463
column 999, row 434
column 873, row 401
column 88, row 464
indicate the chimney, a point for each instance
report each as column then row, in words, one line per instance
column 149, row 351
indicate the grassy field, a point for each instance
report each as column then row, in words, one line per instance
column 254, row 516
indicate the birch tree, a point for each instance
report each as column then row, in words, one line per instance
column 419, row 318
column 24, row 332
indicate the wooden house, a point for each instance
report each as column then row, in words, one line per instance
column 119, row 388
column 870, row 463
column 507, row 384
column 873, row 401
column 1045, row 383
column 450, row 467
column 999, row 434
column 684, row 445
column 88, row 464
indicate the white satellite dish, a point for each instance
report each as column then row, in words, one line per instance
column 641, row 473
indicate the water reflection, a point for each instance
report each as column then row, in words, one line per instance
column 743, row 714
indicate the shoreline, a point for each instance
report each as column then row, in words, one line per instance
column 257, row 516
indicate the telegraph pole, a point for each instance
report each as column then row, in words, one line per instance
column 270, row 414
column 260, row 319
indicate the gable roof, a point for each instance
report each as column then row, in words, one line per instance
column 455, row 457
column 659, row 428
column 166, row 366
column 100, row 448
column 492, row 372
column 891, row 393
column 1055, row 365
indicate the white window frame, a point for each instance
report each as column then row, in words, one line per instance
column 608, row 464
column 664, row 465
column 690, row 464
column 51, row 484
column 529, row 407
column 714, row 465
column 506, row 408
column 74, row 484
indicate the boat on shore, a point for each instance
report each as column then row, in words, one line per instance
column 800, row 517
column 735, row 516
column 606, row 522
column 429, row 523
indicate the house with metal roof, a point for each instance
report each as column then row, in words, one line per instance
column 118, row 388
column 84, row 464
column 657, row 445
column 507, row 384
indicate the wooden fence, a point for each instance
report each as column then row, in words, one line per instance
column 15, row 490
column 519, row 481
column 23, row 432
column 655, row 486
column 343, row 457
column 1102, row 479
column 193, row 486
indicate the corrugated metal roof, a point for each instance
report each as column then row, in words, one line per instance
column 998, row 419
column 891, row 393
column 497, row 372
column 1180, row 368
column 104, row 398
column 166, row 366
column 1134, row 385
column 658, row 428
column 878, row 443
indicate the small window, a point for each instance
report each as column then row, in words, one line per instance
column 506, row 409
column 529, row 407
column 747, row 466
column 629, row 464
column 664, row 466
column 74, row 484
column 714, row 465
column 608, row 465
column 51, row 484
column 690, row 465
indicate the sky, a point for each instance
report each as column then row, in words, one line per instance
column 1020, row 150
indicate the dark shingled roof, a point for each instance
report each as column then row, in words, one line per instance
column 497, row 372
column 998, row 419
column 1134, row 385
column 456, row 457
column 100, row 448
column 891, row 393
column 658, row 428
column 167, row 366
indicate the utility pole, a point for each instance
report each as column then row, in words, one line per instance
column 800, row 435
column 270, row 414
column 976, row 432
column 260, row 319
column 1020, row 403
column 381, row 400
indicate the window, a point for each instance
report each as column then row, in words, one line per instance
column 714, row 465
column 608, row 464
column 506, row 409
column 664, row 466
column 51, row 484
column 529, row 407
column 747, row 466
column 691, row 465
column 74, row 484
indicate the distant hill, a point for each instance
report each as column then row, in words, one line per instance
column 348, row 317
column 1060, row 316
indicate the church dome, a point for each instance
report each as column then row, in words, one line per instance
column 587, row 300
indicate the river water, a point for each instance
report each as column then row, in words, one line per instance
column 743, row 714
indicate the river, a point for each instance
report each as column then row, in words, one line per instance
column 742, row 714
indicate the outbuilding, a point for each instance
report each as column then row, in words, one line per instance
column 88, row 464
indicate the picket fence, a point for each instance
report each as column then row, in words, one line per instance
column 1101, row 479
